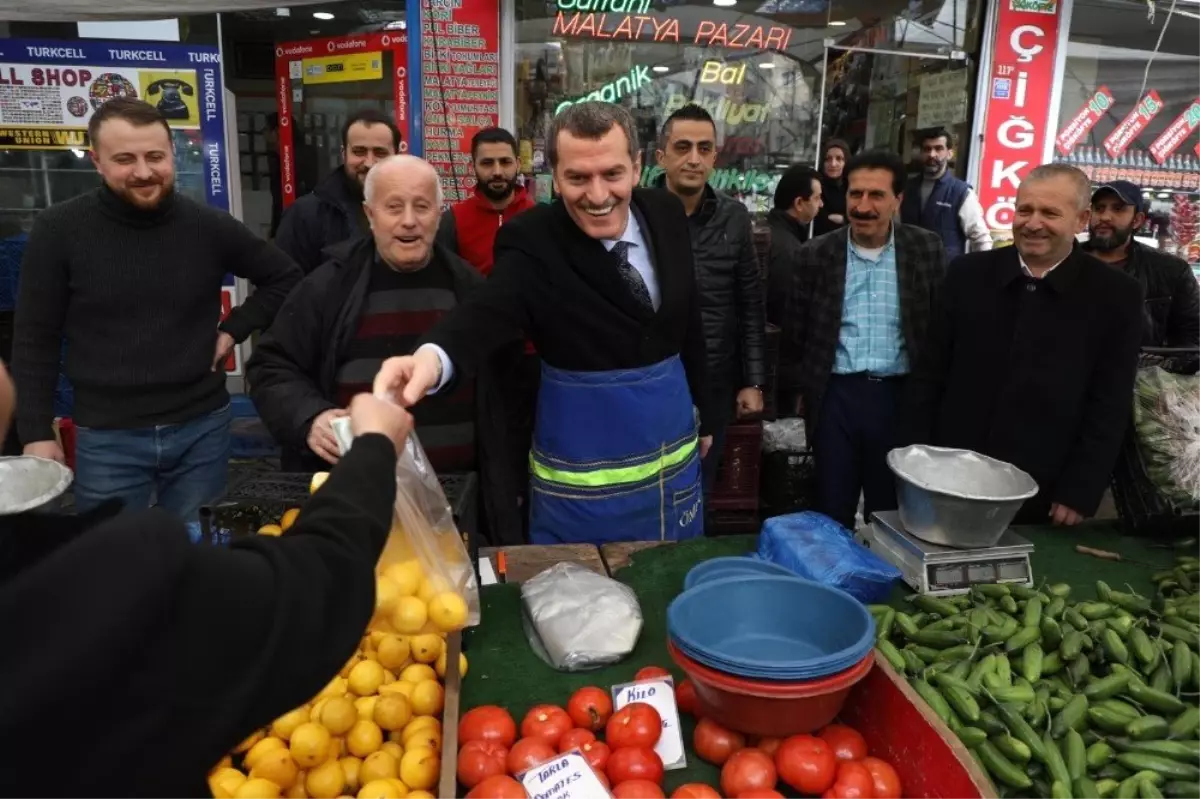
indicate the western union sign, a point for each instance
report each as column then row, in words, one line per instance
column 14, row 138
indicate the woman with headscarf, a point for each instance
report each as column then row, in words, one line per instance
column 134, row 659
column 833, row 187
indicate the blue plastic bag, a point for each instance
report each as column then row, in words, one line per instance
column 817, row 548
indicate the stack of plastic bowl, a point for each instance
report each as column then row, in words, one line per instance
column 769, row 653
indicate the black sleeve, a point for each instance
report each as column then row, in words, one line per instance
column 299, row 235
column 1183, row 322
column 794, row 332
column 262, row 625
column 269, row 269
column 694, row 355
column 751, row 316
column 447, row 232
column 1107, row 406
column 779, row 274
column 927, row 381
column 38, row 328
column 283, row 370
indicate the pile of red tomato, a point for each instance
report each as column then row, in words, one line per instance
column 833, row 763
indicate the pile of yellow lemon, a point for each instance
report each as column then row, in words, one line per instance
column 375, row 730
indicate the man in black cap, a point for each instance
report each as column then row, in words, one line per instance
column 1172, row 308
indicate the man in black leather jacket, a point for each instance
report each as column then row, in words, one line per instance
column 1172, row 307
column 727, row 275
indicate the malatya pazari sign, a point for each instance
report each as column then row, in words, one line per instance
column 631, row 20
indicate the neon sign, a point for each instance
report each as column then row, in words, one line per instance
column 732, row 180
column 716, row 72
column 611, row 92
column 721, row 109
column 636, row 26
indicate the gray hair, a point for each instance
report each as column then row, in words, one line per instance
column 396, row 161
column 1083, row 186
column 592, row 119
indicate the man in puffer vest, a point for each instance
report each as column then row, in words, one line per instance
column 939, row 202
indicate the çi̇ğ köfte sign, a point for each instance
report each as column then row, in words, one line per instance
column 632, row 20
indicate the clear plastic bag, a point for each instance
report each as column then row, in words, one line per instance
column 1166, row 418
column 784, row 435
column 816, row 547
column 423, row 531
column 576, row 619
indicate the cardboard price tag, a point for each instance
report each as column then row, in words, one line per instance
column 659, row 693
column 565, row 777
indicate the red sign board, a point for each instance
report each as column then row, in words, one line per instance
column 460, row 69
column 289, row 55
column 1134, row 123
column 1083, row 120
column 1176, row 133
column 1016, row 103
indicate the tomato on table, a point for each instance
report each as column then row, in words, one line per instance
column 886, row 780
column 600, row 775
column 846, row 742
column 527, row 753
column 853, row 781
column 498, row 787
column 637, row 724
column 596, row 753
column 768, row 745
column 590, row 708
column 478, row 760
column 548, row 722
column 806, row 763
column 487, row 723
column 637, row 789
column 715, row 743
column 760, row 794
column 651, row 673
column 748, row 770
column 634, row 763
column 685, row 698
column 695, row 790
column 575, row 739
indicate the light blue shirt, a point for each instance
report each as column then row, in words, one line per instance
column 639, row 259
column 871, row 340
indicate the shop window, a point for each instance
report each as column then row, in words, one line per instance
column 1130, row 109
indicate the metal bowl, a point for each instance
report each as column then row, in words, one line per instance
column 28, row 483
column 956, row 497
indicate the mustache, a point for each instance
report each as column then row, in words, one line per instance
column 866, row 217
column 139, row 184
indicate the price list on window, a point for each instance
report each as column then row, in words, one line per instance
column 460, row 67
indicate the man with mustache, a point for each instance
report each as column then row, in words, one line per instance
column 938, row 201
column 861, row 297
column 1172, row 311
column 602, row 282
column 333, row 212
column 1032, row 353
column 727, row 274
column 469, row 230
column 130, row 275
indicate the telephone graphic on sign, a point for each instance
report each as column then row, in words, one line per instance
column 173, row 93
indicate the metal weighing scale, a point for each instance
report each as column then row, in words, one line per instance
column 944, row 571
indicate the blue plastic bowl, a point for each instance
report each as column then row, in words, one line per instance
column 719, row 568
column 798, row 674
column 772, row 625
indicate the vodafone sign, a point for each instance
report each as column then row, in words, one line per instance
column 1015, row 99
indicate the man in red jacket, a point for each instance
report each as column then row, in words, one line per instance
column 469, row 230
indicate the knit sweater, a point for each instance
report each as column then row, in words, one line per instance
column 137, row 297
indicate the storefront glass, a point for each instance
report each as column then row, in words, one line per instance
column 756, row 66
column 1131, row 107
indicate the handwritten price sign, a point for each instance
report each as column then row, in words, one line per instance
column 1134, row 123
column 660, row 695
column 566, row 777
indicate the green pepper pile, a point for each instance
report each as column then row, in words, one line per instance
column 1058, row 698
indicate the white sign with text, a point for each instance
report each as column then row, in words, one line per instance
column 659, row 693
column 566, row 777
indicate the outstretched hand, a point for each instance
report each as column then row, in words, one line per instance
column 369, row 414
column 408, row 378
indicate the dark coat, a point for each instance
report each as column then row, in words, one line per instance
column 1037, row 373
column 786, row 237
column 325, row 218
column 833, row 201
column 1172, row 309
column 814, row 322
column 292, row 375
column 560, row 288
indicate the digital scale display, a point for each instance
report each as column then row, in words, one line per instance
column 962, row 575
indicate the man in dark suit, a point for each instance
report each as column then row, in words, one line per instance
column 1032, row 353
column 860, row 301
column 602, row 281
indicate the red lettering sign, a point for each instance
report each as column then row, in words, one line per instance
column 1176, row 133
column 287, row 149
column 1016, row 95
column 1083, row 120
column 1134, row 123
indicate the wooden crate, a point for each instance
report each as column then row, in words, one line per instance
column 448, row 778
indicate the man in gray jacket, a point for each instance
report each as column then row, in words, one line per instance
column 727, row 275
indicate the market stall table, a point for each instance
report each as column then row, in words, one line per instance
column 504, row 670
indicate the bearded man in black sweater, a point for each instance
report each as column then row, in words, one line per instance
column 130, row 275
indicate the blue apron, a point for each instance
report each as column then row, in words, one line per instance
column 615, row 457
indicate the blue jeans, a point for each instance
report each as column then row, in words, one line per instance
column 183, row 466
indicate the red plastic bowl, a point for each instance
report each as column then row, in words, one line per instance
column 774, row 709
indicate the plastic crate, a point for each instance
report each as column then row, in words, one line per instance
column 788, row 483
column 736, row 484
column 732, row 522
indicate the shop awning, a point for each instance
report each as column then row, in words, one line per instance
column 85, row 10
